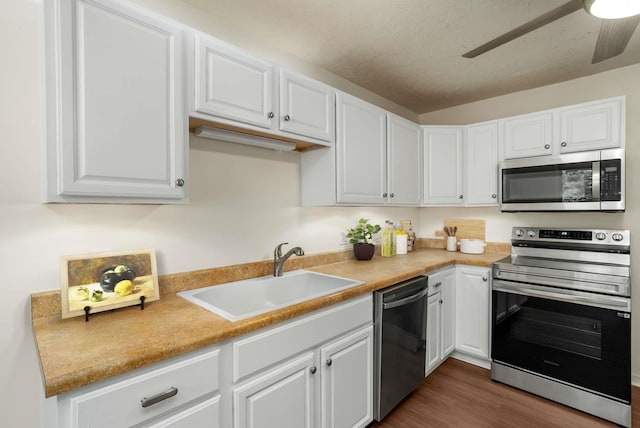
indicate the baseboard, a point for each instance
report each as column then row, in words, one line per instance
column 635, row 380
column 476, row 361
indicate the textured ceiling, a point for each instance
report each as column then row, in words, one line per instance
column 409, row 51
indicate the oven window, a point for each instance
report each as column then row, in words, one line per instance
column 583, row 345
column 549, row 183
column 569, row 333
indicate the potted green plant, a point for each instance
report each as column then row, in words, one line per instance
column 361, row 236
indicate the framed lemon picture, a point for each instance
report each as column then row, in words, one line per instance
column 93, row 283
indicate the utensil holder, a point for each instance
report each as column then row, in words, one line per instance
column 452, row 243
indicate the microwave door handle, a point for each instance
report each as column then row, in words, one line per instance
column 595, row 183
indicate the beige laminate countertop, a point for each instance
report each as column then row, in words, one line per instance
column 74, row 353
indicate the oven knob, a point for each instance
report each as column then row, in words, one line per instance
column 600, row 236
column 531, row 233
column 519, row 233
column 617, row 237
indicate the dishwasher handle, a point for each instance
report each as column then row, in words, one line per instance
column 406, row 300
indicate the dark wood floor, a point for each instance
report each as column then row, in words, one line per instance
column 459, row 395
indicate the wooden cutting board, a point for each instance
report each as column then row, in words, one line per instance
column 467, row 229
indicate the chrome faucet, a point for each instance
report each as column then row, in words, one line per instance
column 279, row 259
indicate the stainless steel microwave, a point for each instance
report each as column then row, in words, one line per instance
column 587, row 181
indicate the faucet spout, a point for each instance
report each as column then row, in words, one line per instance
column 279, row 259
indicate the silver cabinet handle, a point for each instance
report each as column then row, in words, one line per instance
column 313, row 369
column 329, row 362
column 493, row 195
column 384, row 195
column 150, row 401
column 392, row 195
column 440, row 301
column 270, row 115
column 287, row 118
column 484, row 278
column 563, row 144
column 546, row 146
column 437, row 284
column 459, row 196
column 179, row 182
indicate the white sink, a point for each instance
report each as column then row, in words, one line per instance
column 243, row 299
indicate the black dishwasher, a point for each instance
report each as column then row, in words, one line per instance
column 400, row 313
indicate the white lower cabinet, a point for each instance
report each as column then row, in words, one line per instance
column 329, row 381
column 346, row 381
column 440, row 317
column 312, row 371
column 282, row 397
column 473, row 307
column 177, row 394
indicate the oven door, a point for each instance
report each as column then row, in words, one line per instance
column 579, row 338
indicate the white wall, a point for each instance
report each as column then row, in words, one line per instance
column 624, row 81
column 244, row 201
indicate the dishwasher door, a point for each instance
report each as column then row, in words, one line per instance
column 400, row 314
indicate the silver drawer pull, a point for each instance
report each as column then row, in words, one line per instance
column 437, row 284
column 150, row 401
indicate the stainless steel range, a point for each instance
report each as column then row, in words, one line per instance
column 561, row 318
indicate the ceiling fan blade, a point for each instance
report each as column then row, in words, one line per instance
column 614, row 36
column 538, row 22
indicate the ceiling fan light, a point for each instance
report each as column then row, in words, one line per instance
column 612, row 9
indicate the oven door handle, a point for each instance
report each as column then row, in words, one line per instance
column 569, row 296
column 406, row 300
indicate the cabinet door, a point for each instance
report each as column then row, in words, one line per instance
column 306, row 107
column 591, row 126
column 361, row 152
column 472, row 310
column 481, row 150
column 434, row 330
column 203, row 415
column 448, row 300
column 347, row 381
column 281, row 398
column 403, row 162
column 115, row 115
column 232, row 85
column 528, row 135
column 442, row 165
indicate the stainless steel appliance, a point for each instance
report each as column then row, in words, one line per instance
column 588, row 181
column 400, row 342
column 561, row 318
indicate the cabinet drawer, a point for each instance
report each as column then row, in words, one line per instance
column 262, row 350
column 120, row 404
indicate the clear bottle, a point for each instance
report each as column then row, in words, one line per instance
column 388, row 239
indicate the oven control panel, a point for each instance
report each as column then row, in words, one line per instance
column 584, row 236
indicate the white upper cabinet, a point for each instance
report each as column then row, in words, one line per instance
column 233, row 85
column 481, row 171
column 592, row 126
column 403, row 161
column 361, row 151
column 595, row 125
column 236, row 89
column 442, row 165
column 116, row 127
column 307, row 107
column 528, row 135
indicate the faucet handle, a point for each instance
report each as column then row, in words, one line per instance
column 277, row 253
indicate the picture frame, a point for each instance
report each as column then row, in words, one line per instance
column 104, row 281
